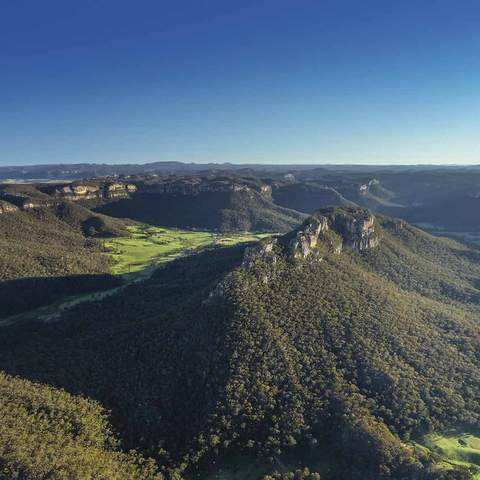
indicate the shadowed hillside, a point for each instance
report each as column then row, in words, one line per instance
column 47, row 433
column 45, row 255
column 308, row 197
column 333, row 336
column 217, row 203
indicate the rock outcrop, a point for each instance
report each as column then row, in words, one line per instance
column 335, row 228
column 198, row 185
column 6, row 207
column 106, row 190
column 364, row 188
column 25, row 202
column 307, row 237
column 397, row 225
column 176, row 186
column 327, row 231
column 355, row 226
column 264, row 250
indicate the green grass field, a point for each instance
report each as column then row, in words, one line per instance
column 455, row 448
column 149, row 246
column 449, row 450
column 136, row 257
column 243, row 466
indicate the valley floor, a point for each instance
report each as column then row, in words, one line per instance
column 148, row 245
column 454, row 448
column 136, row 257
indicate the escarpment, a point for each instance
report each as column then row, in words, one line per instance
column 114, row 188
column 106, row 190
column 198, row 185
column 6, row 207
column 13, row 203
column 327, row 231
column 355, row 226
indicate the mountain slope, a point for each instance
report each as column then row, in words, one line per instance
column 225, row 203
column 224, row 211
column 308, row 196
column 217, row 203
column 47, row 433
column 457, row 213
column 331, row 338
column 44, row 258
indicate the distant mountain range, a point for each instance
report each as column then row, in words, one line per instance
column 84, row 170
column 440, row 199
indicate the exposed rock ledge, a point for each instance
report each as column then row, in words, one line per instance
column 6, row 207
column 326, row 231
column 332, row 229
column 94, row 190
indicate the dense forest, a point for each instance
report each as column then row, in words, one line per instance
column 48, row 253
column 48, row 433
column 357, row 352
column 223, row 210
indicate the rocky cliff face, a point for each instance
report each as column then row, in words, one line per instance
column 45, row 196
column 112, row 189
column 307, row 237
column 329, row 230
column 12, row 203
column 6, row 207
column 364, row 188
column 355, row 226
column 336, row 228
column 89, row 191
column 197, row 185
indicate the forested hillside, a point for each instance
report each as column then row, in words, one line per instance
column 223, row 211
column 340, row 337
column 47, row 433
column 308, row 196
column 46, row 254
column 217, row 203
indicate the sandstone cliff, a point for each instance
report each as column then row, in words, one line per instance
column 6, row 207
column 327, row 231
column 197, row 185
column 106, row 190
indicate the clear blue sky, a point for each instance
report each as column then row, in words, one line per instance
column 274, row 81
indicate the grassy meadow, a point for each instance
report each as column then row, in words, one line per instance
column 148, row 246
column 455, row 448
column 136, row 257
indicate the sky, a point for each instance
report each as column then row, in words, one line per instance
column 241, row 81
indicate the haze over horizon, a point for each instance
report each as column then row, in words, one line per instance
column 268, row 81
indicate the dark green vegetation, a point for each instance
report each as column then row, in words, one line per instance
column 457, row 213
column 226, row 204
column 441, row 199
column 48, row 433
column 224, row 211
column 221, row 203
column 308, row 196
column 91, row 224
column 454, row 448
column 419, row 193
column 35, row 197
column 147, row 246
column 355, row 354
column 270, row 199
column 45, row 256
